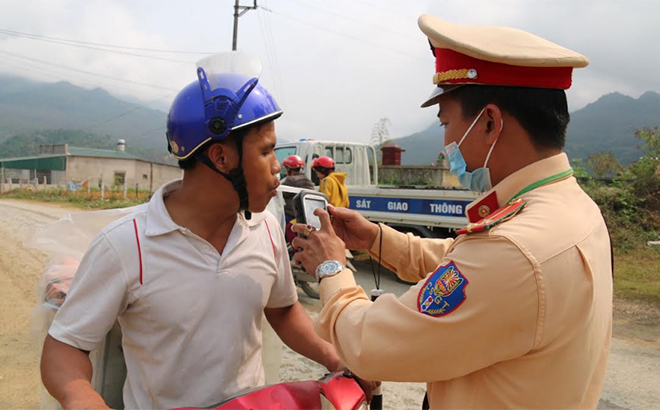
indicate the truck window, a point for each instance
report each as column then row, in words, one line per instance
column 372, row 161
column 282, row 153
column 348, row 156
column 339, row 155
column 329, row 153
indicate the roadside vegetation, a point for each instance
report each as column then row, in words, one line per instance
column 629, row 198
column 113, row 198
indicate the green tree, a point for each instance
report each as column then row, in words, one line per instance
column 651, row 139
column 603, row 164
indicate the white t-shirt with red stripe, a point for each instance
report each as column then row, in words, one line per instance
column 190, row 317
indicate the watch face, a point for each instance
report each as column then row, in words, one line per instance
column 330, row 267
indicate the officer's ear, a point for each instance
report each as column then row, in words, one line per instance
column 494, row 123
column 223, row 155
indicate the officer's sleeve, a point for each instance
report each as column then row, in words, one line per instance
column 98, row 295
column 407, row 255
column 391, row 339
column 283, row 293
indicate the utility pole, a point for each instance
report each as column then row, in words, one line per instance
column 237, row 14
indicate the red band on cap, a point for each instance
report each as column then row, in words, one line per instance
column 452, row 67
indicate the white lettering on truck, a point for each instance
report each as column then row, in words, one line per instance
column 445, row 208
column 363, row 204
column 397, row 206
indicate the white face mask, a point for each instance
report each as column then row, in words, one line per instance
column 477, row 180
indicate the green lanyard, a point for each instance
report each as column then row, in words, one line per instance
column 542, row 182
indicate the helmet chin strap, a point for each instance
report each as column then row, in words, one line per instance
column 235, row 176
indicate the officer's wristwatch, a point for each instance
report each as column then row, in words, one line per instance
column 328, row 268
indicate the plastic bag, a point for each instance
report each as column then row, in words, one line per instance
column 68, row 239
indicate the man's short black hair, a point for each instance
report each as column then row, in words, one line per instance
column 542, row 112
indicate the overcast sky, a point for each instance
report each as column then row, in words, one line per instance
column 335, row 66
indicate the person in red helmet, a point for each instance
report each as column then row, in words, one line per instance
column 333, row 184
column 296, row 178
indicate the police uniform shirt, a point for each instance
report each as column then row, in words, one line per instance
column 515, row 316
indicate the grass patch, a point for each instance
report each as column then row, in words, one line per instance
column 81, row 199
column 637, row 274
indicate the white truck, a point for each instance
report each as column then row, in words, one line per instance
column 423, row 210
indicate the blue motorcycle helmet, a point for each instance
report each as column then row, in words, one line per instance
column 225, row 98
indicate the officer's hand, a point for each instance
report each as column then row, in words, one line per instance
column 354, row 229
column 319, row 246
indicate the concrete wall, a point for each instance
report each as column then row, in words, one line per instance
column 80, row 169
column 438, row 176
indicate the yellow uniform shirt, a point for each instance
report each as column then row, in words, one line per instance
column 533, row 326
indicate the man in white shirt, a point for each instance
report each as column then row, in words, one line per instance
column 189, row 274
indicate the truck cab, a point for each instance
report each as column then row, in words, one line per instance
column 357, row 160
column 427, row 211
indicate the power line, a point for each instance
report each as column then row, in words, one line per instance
column 271, row 51
column 339, row 33
column 143, row 136
column 30, row 37
column 139, row 107
column 21, row 66
column 379, row 5
column 86, row 72
column 154, row 50
column 363, row 23
column 89, row 129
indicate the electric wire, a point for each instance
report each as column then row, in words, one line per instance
column 360, row 22
column 153, row 50
column 124, row 80
column 52, row 72
column 278, row 73
column 98, row 48
column 339, row 33
column 140, row 137
column 268, row 49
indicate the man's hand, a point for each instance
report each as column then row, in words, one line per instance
column 367, row 386
column 320, row 246
column 354, row 229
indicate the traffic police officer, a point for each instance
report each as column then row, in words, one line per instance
column 516, row 312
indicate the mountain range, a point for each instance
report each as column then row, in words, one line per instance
column 33, row 113
column 608, row 124
column 30, row 109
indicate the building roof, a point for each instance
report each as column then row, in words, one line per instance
column 100, row 153
column 58, row 161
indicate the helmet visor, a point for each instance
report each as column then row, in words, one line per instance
column 217, row 66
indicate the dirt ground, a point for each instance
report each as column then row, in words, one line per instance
column 632, row 381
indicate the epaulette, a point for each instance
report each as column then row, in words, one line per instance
column 502, row 214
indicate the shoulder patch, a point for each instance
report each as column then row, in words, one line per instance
column 443, row 291
column 503, row 214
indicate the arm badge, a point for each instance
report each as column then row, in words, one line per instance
column 443, row 291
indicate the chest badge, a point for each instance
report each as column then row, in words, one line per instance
column 443, row 291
